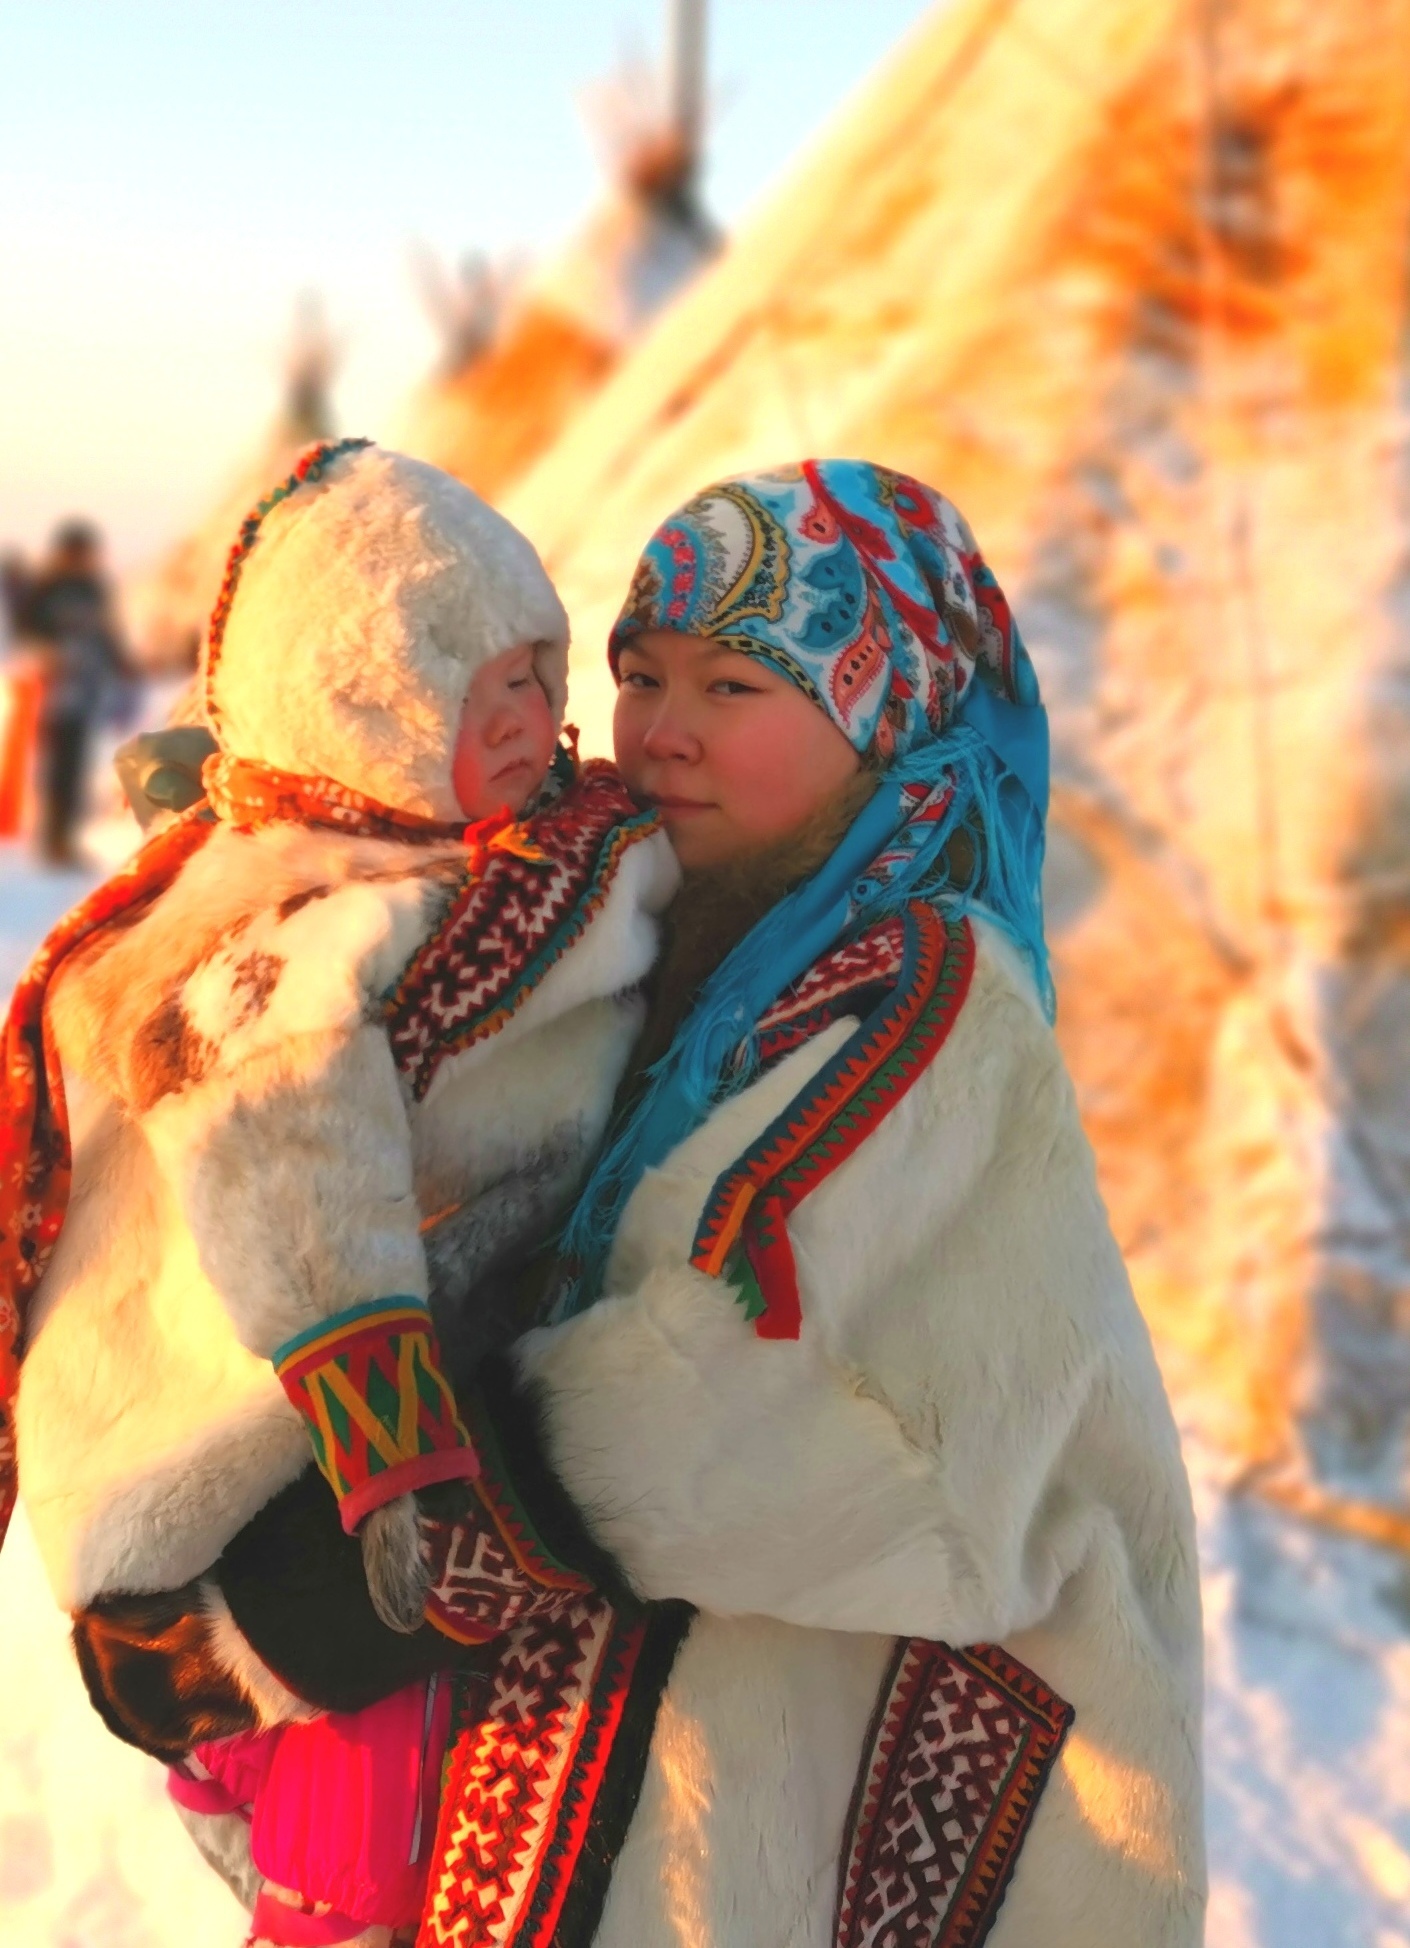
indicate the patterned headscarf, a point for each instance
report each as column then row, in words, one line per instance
column 860, row 585
column 866, row 590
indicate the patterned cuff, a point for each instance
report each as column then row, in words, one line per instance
column 379, row 1412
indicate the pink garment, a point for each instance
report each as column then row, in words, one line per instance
column 343, row 1807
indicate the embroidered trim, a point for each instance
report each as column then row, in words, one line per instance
column 743, row 1231
column 510, row 923
column 958, row 1753
column 380, row 1416
column 521, row 1534
column 529, row 1751
column 851, row 980
column 490, row 1569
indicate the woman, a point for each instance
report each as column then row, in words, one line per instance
column 844, row 1356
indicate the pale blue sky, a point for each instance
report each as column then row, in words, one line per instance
column 174, row 172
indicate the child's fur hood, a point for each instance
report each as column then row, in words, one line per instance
column 370, row 596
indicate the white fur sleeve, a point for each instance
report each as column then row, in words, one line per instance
column 293, row 1171
column 905, row 1466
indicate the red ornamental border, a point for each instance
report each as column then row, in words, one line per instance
column 547, row 902
column 834, row 1115
column 514, row 1565
column 899, row 1753
column 831, row 988
column 523, row 1777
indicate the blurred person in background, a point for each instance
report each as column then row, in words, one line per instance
column 14, row 585
column 67, row 613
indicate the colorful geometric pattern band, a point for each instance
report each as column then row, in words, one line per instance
column 491, row 1569
column 957, row 1756
column 516, row 913
column 380, row 1415
column 743, row 1232
column 851, row 979
column 524, row 1772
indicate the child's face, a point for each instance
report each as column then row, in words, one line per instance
column 506, row 737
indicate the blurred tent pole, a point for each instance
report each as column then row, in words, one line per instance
column 310, row 362
column 686, row 69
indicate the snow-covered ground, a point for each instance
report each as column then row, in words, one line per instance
column 1307, row 1729
column 1308, row 1722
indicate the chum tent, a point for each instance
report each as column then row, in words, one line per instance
column 1127, row 279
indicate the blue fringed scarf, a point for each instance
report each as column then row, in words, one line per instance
column 866, row 589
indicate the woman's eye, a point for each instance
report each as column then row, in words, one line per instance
column 637, row 680
column 731, row 686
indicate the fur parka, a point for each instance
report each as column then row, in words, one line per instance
column 248, row 1160
column 968, row 1441
column 250, row 1157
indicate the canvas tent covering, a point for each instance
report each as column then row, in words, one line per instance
column 1126, row 278
column 534, row 355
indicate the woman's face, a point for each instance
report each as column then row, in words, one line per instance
column 734, row 756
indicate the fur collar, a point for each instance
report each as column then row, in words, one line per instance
column 717, row 906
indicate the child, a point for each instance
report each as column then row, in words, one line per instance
column 330, row 1053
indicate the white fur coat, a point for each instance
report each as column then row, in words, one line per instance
column 247, row 1161
column 969, row 1441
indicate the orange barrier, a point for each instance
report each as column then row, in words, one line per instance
column 21, row 692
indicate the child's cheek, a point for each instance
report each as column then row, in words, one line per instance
column 467, row 773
